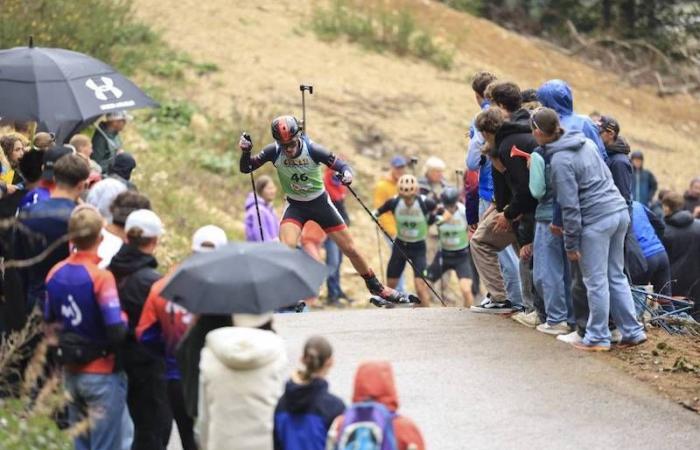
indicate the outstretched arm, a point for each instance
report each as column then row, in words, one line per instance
column 250, row 163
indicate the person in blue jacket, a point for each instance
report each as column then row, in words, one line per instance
column 649, row 231
column 306, row 410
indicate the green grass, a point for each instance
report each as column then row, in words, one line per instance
column 380, row 30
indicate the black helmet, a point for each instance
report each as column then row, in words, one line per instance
column 449, row 196
column 285, row 129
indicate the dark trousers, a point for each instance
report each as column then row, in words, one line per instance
column 185, row 424
column 147, row 400
column 579, row 297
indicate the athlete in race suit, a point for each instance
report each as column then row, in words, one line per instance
column 298, row 163
column 454, row 245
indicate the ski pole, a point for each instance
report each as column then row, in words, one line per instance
column 376, row 222
column 440, row 262
column 303, row 88
column 246, row 136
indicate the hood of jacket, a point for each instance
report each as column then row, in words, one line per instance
column 245, row 348
column 130, row 259
column 250, row 201
column 619, row 146
column 571, row 141
column 556, row 94
column 518, row 123
column 375, row 381
column 680, row 219
column 301, row 396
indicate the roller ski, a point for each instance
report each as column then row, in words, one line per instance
column 403, row 301
column 386, row 297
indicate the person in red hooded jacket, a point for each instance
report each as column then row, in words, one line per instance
column 374, row 381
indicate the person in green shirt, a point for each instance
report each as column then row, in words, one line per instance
column 106, row 142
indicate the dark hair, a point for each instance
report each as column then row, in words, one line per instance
column 674, row 201
column 317, row 351
column 71, row 170
column 31, row 165
column 480, row 80
column 507, row 94
column 261, row 183
column 136, row 239
column 125, row 203
column 547, row 121
column 489, row 121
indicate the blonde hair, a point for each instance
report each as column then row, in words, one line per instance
column 79, row 141
column 85, row 226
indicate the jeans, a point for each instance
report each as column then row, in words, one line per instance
column 401, row 285
column 551, row 275
column 334, row 257
column 101, row 398
column 508, row 261
column 608, row 289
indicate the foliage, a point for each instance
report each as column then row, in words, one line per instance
column 380, row 30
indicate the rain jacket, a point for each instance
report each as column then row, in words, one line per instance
column 621, row 167
column 383, row 191
column 375, row 381
column 241, row 379
column 269, row 220
column 477, row 161
column 582, row 185
column 682, row 242
column 556, row 94
column 304, row 414
column 648, row 234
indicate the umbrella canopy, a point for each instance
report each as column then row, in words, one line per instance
column 63, row 91
column 245, row 277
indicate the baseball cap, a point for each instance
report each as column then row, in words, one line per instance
column 398, row 161
column 208, row 238
column 637, row 155
column 118, row 115
column 145, row 219
column 608, row 123
column 51, row 156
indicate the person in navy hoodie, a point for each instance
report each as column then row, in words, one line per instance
column 306, row 410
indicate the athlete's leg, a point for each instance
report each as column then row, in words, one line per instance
column 344, row 241
column 289, row 233
column 419, row 260
column 465, row 285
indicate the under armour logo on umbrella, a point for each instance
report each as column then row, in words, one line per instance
column 101, row 90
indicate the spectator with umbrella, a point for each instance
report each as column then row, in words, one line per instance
column 106, row 142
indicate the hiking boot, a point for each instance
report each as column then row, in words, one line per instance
column 571, row 338
column 489, row 306
column 555, row 330
column 530, row 319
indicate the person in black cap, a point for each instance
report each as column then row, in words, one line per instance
column 644, row 183
column 618, row 150
column 121, row 169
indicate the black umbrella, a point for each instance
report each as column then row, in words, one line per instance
column 246, row 277
column 63, row 91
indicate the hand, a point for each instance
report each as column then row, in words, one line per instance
column 557, row 231
column 244, row 144
column 11, row 188
column 573, row 256
column 346, row 179
column 696, row 212
column 528, row 163
column 501, row 224
column 526, row 252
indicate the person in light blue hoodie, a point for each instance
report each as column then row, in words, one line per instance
column 595, row 220
column 507, row 258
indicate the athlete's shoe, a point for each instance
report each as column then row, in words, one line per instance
column 492, row 307
column 375, row 287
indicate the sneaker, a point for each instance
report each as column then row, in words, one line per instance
column 627, row 344
column 590, row 347
column 615, row 336
column 530, row 319
column 556, row 329
column 571, row 338
column 489, row 306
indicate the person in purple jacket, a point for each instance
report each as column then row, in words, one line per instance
column 266, row 190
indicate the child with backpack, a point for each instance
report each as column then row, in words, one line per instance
column 372, row 421
column 306, row 410
column 413, row 213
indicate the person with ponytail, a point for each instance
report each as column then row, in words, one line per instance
column 595, row 219
column 306, row 410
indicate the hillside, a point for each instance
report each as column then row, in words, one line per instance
column 264, row 50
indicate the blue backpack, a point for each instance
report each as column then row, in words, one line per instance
column 367, row 426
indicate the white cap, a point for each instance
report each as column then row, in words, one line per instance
column 102, row 195
column 145, row 219
column 434, row 163
column 211, row 235
column 251, row 320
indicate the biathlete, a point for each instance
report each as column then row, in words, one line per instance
column 454, row 245
column 298, row 162
column 414, row 213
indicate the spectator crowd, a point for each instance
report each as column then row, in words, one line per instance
column 554, row 215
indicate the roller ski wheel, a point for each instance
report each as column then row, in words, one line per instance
column 402, row 301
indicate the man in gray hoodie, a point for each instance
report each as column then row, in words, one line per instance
column 595, row 220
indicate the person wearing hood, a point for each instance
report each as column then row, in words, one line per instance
column 692, row 197
column 644, row 183
column 134, row 268
column 510, row 221
column 682, row 242
column 649, row 231
column 106, row 142
column 241, row 379
column 266, row 191
column 618, row 150
column 121, row 168
column 374, row 382
column 595, row 219
column 306, row 410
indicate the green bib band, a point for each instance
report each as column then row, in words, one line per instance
column 453, row 232
column 301, row 178
column 411, row 224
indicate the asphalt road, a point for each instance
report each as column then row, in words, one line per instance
column 474, row 381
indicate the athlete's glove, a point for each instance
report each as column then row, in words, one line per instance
column 346, row 178
column 245, row 143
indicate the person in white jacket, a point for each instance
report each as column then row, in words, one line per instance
column 242, row 374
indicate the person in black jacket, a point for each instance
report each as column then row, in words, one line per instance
column 511, row 219
column 682, row 241
column 306, row 410
column 618, row 151
column 134, row 268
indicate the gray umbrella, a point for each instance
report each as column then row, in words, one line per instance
column 63, row 91
column 245, row 277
